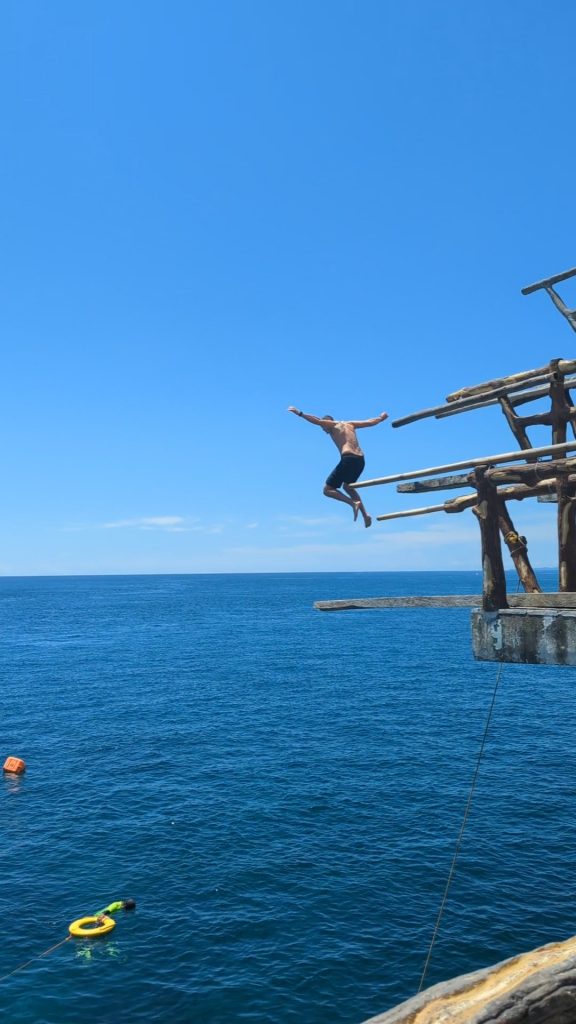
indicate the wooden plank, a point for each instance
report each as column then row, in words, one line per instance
column 553, row 601
column 442, row 601
column 481, row 460
column 438, row 483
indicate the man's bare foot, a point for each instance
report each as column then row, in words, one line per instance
column 356, row 507
column 367, row 520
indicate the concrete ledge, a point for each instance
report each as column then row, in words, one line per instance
column 539, row 987
column 536, row 636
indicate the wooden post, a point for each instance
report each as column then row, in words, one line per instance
column 562, row 413
column 487, row 514
column 566, row 533
column 518, row 549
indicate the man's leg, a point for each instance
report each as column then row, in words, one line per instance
column 331, row 492
column 358, row 504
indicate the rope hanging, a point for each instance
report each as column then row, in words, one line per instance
column 461, row 833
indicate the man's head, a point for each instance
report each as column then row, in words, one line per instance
column 328, row 417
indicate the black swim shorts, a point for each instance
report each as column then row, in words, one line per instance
column 347, row 471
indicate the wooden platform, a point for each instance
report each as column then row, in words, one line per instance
column 554, row 601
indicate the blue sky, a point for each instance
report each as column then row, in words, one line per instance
column 211, row 211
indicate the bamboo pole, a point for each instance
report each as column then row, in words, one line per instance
column 406, row 513
column 481, row 460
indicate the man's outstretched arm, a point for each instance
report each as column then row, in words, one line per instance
column 313, row 419
column 370, row 423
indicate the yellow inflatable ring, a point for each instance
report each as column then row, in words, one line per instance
column 80, row 930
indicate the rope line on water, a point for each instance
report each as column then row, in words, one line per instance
column 461, row 833
column 34, row 958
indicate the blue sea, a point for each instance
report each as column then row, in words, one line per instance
column 279, row 789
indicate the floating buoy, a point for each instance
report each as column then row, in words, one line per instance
column 90, row 927
column 15, row 765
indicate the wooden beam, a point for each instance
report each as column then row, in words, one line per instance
column 532, row 473
column 561, row 365
column 467, row 404
column 481, row 460
column 515, row 423
column 438, row 483
column 548, row 281
column 464, row 501
column 514, row 399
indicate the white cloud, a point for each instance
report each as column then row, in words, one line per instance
column 145, row 523
column 290, row 521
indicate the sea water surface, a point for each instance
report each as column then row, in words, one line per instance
column 279, row 789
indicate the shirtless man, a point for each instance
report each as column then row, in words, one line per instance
column 351, row 463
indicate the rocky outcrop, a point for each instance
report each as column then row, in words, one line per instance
column 538, row 987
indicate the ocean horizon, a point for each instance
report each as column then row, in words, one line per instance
column 279, row 789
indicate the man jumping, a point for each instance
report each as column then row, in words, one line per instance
column 351, row 464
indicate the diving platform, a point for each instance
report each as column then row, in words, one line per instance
column 536, row 629
column 529, row 627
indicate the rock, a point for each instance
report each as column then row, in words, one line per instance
column 538, row 987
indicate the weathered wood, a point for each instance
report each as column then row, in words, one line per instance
column 541, row 419
column 407, row 513
column 569, row 314
column 564, row 366
column 562, row 412
column 566, row 533
column 548, row 281
column 533, row 600
column 483, row 403
column 516, row 492
column 486, row 512
column 466, row 405
column 530, row 474
column 441, row 601
column 515, row 424
column 481, row 460
column 439, row 483
column 522, row 399
column 518, row 548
